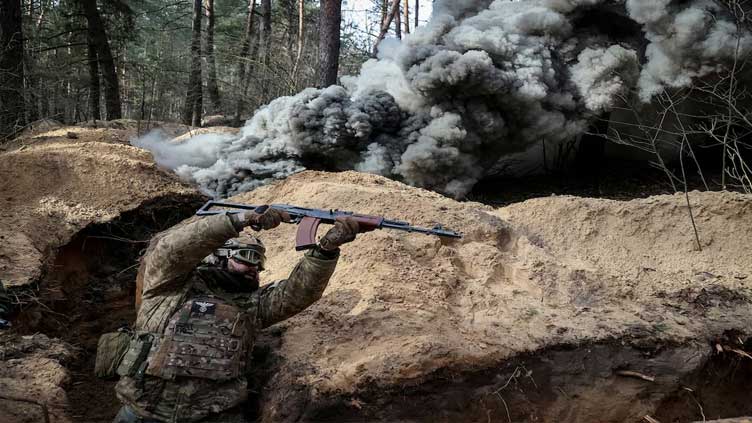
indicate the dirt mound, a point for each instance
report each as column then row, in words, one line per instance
column 32, row 377
column 210, row 130
column 556, row 309
column 216, row 120
column 405, row 310
column 119, row 131
column 39, row 126
column 76, row 214
column 54, row 189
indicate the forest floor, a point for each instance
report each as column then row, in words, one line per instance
column 557, row 308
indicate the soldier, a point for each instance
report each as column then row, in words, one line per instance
column 200, row 311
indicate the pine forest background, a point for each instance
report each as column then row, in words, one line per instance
column 161, row 60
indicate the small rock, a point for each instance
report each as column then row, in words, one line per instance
column 71, row 135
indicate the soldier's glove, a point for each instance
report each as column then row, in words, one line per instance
column 344, row 231
column 263, row 217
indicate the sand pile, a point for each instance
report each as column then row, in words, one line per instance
column 32, row 378
column 544, row 304
column 119, row 131
column 200, row 131
column 551, row 272
column 75, row 214
column 52, row 190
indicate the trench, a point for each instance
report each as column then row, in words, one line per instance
column 90, row 290
column 605, row 382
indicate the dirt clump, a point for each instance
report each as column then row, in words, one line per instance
column 406, row 310
column 33, row 377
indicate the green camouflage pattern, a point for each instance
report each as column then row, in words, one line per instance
column 169, row 280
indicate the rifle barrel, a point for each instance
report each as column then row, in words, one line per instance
column 328, row 216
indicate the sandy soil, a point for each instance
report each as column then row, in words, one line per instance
column 119, row 131
column 53, row 189
column 210, row 130
column 557, row 295
column 32, row 378
column 535, row 275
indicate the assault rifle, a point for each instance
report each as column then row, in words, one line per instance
column 309, row 220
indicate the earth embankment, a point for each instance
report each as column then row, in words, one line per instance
column 554, row 309
column 559, row 293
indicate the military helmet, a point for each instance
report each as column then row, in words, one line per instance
column 245, row 248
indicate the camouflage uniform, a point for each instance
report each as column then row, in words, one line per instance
column 170, row 282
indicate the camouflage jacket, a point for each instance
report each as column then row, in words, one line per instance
column 169, row 280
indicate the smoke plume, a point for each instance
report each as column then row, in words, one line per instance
column 482, row 80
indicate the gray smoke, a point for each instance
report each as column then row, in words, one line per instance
column 484, row 79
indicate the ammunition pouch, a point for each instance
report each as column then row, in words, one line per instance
column 111, row 349
column 134, row 361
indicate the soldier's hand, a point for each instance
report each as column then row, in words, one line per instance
column 343, row 231
column 267, row 218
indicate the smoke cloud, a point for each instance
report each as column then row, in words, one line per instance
column 484, row 79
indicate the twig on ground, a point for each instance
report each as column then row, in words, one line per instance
column 509, row 416
column 515, row 375
column 738, row 351
column 638, row 375
column 649, row 419
column 690, row 391
column 686, row 194
column 128, row 268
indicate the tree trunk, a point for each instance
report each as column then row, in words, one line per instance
column 386, row 24
column 93, row 82
column 329, row 41
column 211, row 82
column 301, row 33
column 12, row 108
column 265, row 35
column 292, row 24
column 264, row 46
column 417, row 12
column 31, row 85
column 407, row 16
column 98, row 36
column 384, row 12
column 243, row 56
column 398, row 23
column 193, row 98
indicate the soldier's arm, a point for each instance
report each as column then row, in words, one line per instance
column 304, row 286
column 173, row 254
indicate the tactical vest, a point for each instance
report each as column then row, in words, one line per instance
column 206, row 338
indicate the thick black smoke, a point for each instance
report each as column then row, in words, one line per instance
column 482, row 80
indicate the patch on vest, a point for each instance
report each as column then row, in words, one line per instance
column 203, row 307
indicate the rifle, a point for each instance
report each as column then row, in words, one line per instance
column 310, row 219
